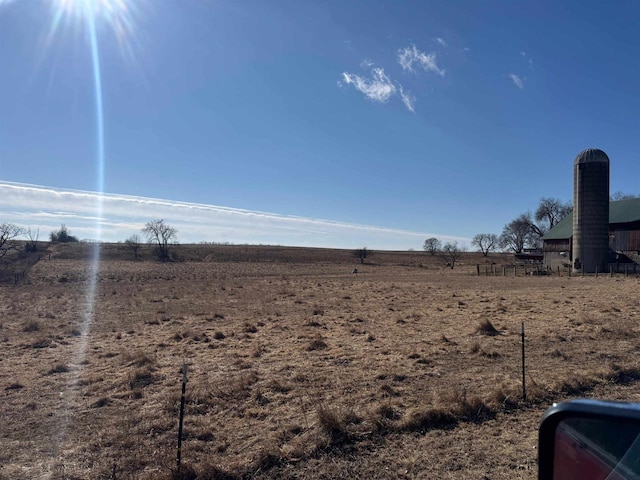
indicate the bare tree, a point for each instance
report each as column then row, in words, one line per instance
column 452, row 252
column 362, row 253
column 432, row 245
column 8, row 233
column 163, row 235
column 32, row 240
column 516, row 235
column 550, row 211
column 133, row 242
column 486, row 242
column 623, row 196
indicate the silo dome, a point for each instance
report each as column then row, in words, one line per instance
column 590, row 211
column 591, row 155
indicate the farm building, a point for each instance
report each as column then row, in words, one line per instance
column 624, row 236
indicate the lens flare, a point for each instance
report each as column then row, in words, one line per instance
column 115, row 15
column 94, row 18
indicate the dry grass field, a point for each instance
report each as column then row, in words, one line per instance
column 296, row 367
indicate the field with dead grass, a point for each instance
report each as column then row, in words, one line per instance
column 296, row 367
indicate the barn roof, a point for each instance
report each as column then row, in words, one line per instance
column 620, row 211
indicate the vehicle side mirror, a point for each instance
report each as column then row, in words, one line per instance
column 590, row 440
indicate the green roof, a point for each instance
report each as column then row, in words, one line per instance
column 620, row 211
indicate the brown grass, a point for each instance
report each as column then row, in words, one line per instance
column 297, row 368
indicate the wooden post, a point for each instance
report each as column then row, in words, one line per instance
column 504, row 271
column 558, row 270
column 182, row 398
column 478, row 269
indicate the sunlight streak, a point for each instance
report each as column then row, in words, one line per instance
column 88, row 12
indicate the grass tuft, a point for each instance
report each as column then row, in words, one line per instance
column 486, row 328
column 142, row 377
column 423, row 420
column 332, row 424
column 60, row 368
column 317, row 343
column 31, row 326
column 219, row 335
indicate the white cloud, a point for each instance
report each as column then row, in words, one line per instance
column 410, row 56
column 529, row 60
column 441, row 41
column 367, row 63
column 379, row 88
column 518, row 82
column 408, row 99
column 116, row 217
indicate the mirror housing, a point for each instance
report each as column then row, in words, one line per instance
column 590, row 440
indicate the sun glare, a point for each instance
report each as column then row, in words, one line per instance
column 115, row 15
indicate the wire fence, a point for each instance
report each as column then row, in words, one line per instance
column 539, row 269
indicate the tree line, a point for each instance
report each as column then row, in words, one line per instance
column 156, row 232
column 527, row 229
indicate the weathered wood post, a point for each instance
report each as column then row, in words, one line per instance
column 478, row 269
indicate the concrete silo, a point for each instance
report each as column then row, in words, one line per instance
column 590, row 211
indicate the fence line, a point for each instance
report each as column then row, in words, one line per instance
column 538, row 269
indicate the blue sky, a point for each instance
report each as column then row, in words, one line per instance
column 420, row 118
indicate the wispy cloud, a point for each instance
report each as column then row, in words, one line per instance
column 410, row 57
column 45, row 208
column 408, row 99
column 379, row 88
column 517, row 81
column 529, row 59
column 441, row 41
column 367, row 63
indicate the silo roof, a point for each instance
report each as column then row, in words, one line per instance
column 591, row 155
column 620, row 211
